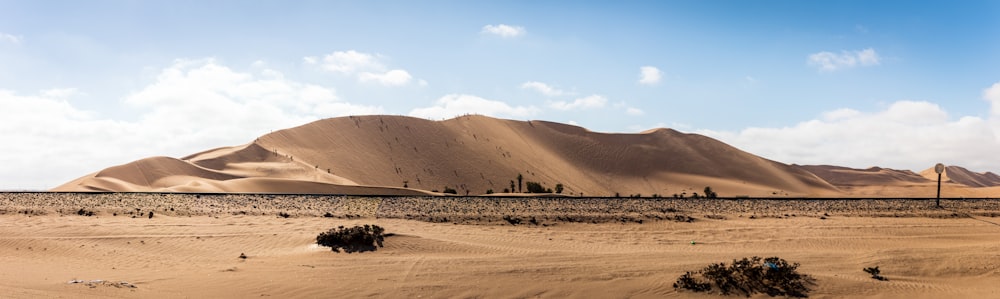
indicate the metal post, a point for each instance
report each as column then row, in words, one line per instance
column 939, row 168
column 939, row 191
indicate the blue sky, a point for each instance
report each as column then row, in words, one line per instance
column 902, row 84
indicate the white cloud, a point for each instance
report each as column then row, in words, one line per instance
column 842, row 113
column 349, row 62
column 910, row 135
column 829, row 61
column 543, row 88
column 453, row 105
column 992, row 94
column 367, row 67
column 60, row 93
column 588, row 102
column 10, row 38
column 634, row 111
column 193, row 105
column 649, row 75
column 390, row 78
column 504, row 30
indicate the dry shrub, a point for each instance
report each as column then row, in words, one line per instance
column 352, row 239
column 773, row 276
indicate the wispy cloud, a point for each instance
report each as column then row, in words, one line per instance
column 453, row 105
column 367, row 67
column 504, row 30
column 588, row 102
column 829, row 61
column 649, row 75
column 10, row 38
column 389, row 78
column 543, row 88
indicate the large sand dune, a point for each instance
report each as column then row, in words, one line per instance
column 398, row 155
column 472, row 154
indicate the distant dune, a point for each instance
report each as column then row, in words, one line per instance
column 398, row 155
column 885, row 182
column 959, row 175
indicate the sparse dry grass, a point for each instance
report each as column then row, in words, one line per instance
column 481, row 210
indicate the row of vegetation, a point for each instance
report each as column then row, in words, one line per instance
column 536, row 187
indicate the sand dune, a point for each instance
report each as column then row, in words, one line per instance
column 843, row 176
column 959, row 175
column 478, row 154
column 885, row 182
column 471, row 154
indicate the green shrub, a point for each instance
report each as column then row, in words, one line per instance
column 352, row 239
column 773, row 276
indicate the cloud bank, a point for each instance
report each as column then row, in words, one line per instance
column 910, row 135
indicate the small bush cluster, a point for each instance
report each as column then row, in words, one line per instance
column 536, row 187
column 875, row 273
column 773, row 276
column 352, row 239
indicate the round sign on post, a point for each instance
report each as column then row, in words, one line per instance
column 939, row 168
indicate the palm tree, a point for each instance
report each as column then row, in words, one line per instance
column 519, row 178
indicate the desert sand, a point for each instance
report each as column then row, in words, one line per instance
column 471, row 247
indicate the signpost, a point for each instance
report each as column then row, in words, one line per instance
column 939, row 168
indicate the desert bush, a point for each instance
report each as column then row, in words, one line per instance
column 83, row 212
column 773, row 276
column 352, row 239
column 450, row 190
column 709, row 193
column 559, row 188
column 875, row 273
column 535, row 187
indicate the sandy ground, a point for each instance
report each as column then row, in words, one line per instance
column 193, row 251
